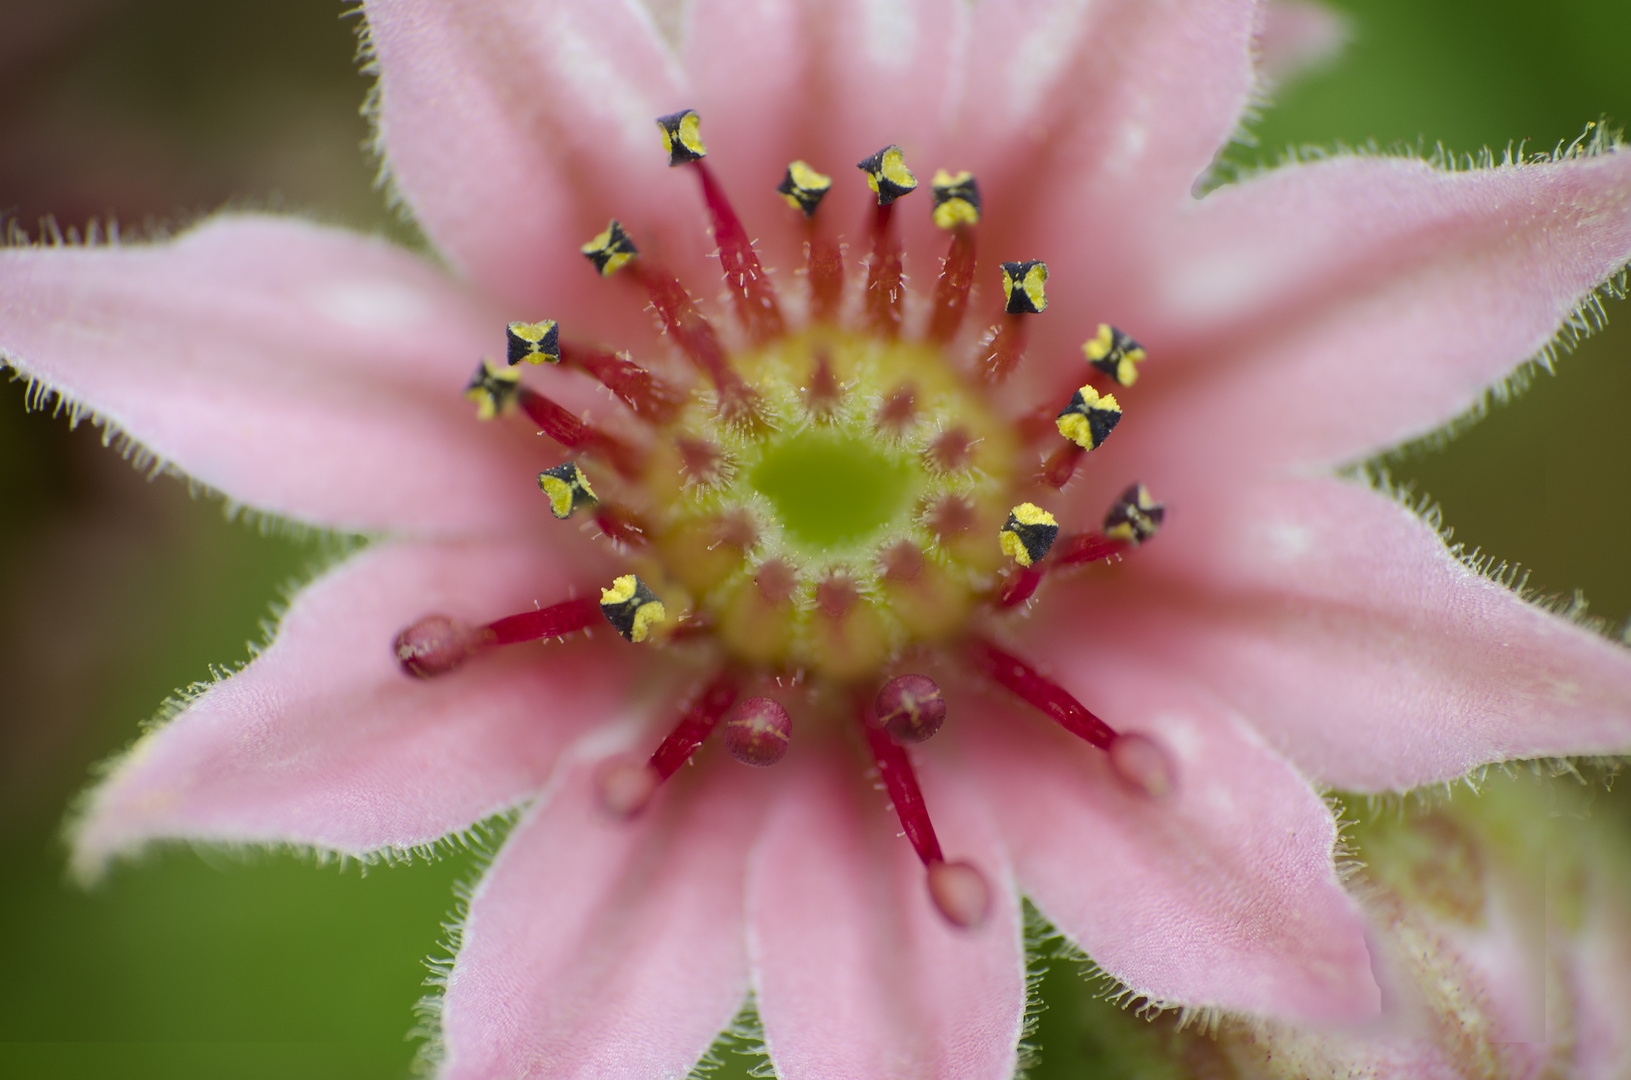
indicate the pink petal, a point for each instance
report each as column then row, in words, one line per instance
column 1326, row 310
column 1222, row 894
column 1087, row 124
column 322, row 739
column 305, row 371
column 515, row 130
column 1295, row 36
column 597, row 947
column 1339, row 624
column 857, row 975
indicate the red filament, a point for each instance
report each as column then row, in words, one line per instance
column 1020, row 585
column 1004, row 349
column 951, row 291
column 1016, row 675
column 825, row 260
column 1061, row 465
column 620, row 525
column 695, row 336
column 641, row 391
column 1087, row 547
column 885, row 296
column 895, row 766
column 557, row 620
column 565, row 428
column 751, row 291
column 695, row 725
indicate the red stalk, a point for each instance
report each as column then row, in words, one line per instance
column 1015, row 675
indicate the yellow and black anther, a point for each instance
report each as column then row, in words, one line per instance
column 632, row 608
column 493, row 389
column 1114, row 353
column 568, row 489
column 611, row 250
column 1089, row 419
column 804, row 188
column 1028, row 534
column 682, row 137
column 1024, row 286
column 956, row 199
column 1134, row 517
column 536, row 343
column 887, row 175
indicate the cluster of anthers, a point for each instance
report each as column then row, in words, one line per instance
column 829, row 505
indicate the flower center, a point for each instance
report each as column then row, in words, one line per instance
column 838, row 493
column 862, row 467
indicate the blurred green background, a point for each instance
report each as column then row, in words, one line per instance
column 115, row 589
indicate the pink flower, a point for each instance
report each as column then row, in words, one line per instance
column 1289, row 627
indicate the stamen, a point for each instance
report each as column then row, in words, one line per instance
column 620, row 526
column 696, row 724
column 574, row 434
column 632, row 608
column 956, row 199
column 887, row 175
column 437, row 644
column 682, row 137
column 696, row 339
column 825, row 264
column 1135, row 516
column 1143, row 765
column 1020, row 585
column 885, row 295
column 568, row 489
column 494, row 390
column 959, row 890
column 1132, row 519
column 1087, row 547
column 611, row 250
column 1114, row 353
column 752, row 292
column 804, row 188
column 889, row 179
column 757, row 731
column 1024, row 293
column 627, row 784
column 1060, row 465
column 895, row 767
column 1002, row 348
column 1028, row 534
column 649, row 397
column 1024, row 287
column 911, row 708
column 1015, row 675
column 536, row 343
column 555, row 621
column 951, row 291
column 1089, row 419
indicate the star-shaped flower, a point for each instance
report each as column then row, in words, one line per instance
column 834, row 479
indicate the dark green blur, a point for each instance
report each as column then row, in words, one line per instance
column 115, row 589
